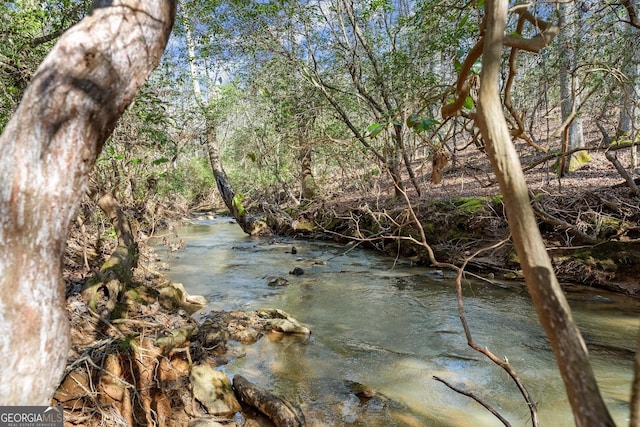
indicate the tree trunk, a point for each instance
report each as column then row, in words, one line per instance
column 398, row 136
column 308, row 183
column 47, row 151
column 249, row 225
column 552, row 307
column 628, row 121
column 233, row 202
column 116, row 272
column 573, row 136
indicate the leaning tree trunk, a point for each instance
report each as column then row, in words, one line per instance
column 550, row 303
column 47, row 151
column 233, row 202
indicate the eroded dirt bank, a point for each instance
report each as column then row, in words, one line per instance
column 593, row 237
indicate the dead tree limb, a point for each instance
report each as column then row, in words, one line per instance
column 557, row 222
column 281, row 412
column 476, row 398
column 613, row 158
column 502, row 363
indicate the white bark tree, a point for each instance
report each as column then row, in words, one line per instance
column 573, row 135
column 628, row 121
column 47, row 151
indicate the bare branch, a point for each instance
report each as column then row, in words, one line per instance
column 537, row 43
column 631, row 11
column 476, row 398
column 462, row 85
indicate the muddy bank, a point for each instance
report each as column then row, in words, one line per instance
column 593, row 237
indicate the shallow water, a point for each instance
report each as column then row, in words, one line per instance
column 393, row 326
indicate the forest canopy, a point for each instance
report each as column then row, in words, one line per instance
column 349, row 90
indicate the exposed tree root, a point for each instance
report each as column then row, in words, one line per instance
column 281, row 412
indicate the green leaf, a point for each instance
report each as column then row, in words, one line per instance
column 118, row 157
column 413, row 121
column 135, row 160
column 159, row 161
column 476, row 68
column 252, row 156
column 427, row 124
column 374, row 129
column 236, row 202
column 468, row 103
column 420, row 125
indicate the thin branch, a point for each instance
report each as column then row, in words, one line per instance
column 476, row 398
column 462, row 85
column 504, row 364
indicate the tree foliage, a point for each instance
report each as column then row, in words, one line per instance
column 29, row 30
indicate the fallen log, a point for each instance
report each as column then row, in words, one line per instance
column 278, row 410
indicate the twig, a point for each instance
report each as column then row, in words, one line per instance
column 547, row 217
column 476, row 398
column 108, row 324
column 348, row 250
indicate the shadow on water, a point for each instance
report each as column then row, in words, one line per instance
column 381, row 331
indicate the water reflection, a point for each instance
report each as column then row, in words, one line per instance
column 392, row 329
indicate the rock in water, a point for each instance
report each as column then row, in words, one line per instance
column 213, row 390
column 278, row 281
column 297, row 271
column 280, row 321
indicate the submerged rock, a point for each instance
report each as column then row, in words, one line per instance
column 278, row 281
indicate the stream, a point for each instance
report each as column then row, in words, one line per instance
column 392, row 326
